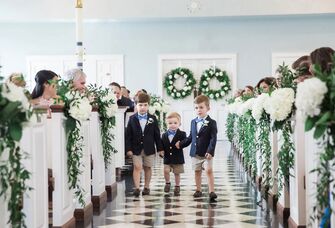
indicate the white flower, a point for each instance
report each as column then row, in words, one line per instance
column 245, row 106
column 111, row 109
column 225, row 88
column 222, row 93
column 280, row 103
column 221, row 74
column 170, row 87
column 205, row 124
column 165, row 107
column 216, row 74
column 15, row 94
column 205, row 83
column 150, row 120
column 233, row 107
column 170, row 76
column 183, row 93
column 181, row 73
column 170, row 82
column 178, row 94
column 206, row 75
column 223, row 83
column 258, row 106
column 217, row 95
column 310, row 94
column 176, row 76
column 157, row 106
column 211, row 96
column 80, row 109
column 152, row 109
column 185, row 75
column 211, row 72
column 109, row 96
column 174, row 90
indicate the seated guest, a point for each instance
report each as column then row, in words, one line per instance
column 248, row 91
column 301, row 67
column 265, row 84
column 121, row 100
column 45, row 90
column 78, row 79
column 17, row 79
column 323, row 57
column 125, row 92
column 238, row 93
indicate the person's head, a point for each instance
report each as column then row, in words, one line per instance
column 124, row 91
column 248, row 91
column 116, row 89
column 46, row 84
column 265, row 84
column 322, row 57
column 238, row 93
column 201, row 105
column 142, row 103
column 78, row 78
column 17, row 79
column 173, row 121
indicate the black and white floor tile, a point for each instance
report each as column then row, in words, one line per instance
column 238, row 205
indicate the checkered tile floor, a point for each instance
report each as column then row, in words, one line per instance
column 237, row 204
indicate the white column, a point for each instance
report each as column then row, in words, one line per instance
column 120, row 137
column 98, row 174
column 297, row 180
column 35, row 202
column 63, row 201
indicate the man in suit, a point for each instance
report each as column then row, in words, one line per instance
column 202, row 138
column 142, row 135
column 121, row 100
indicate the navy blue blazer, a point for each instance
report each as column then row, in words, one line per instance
column 172, row 155
column 136, row 140
column 204, row 141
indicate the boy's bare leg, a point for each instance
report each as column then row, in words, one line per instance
column 137, row 175
column 198, row 180
column 177, row 179
column 167, row 174
column 147, row 176
column 210, row 179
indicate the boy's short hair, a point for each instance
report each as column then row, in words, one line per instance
column 173, row 115
column 200, row 99
column 142, row 98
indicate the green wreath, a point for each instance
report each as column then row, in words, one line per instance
column 221, row 76
column 172, row 76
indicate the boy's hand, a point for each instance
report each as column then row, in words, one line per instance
column 178, row 145
column 208, row 156
column 161, row 154
column 130, row 154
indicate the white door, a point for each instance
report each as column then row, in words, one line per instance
column 197, row 64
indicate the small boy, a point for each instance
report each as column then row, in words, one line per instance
column 173, row 157
column 203, row 138
column 142, row 135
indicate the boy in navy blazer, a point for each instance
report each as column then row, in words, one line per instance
column 203, row 141
column 142, row 135
column 173, row 157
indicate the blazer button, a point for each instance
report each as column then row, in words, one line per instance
column 170, row 153
column 170, row 147
column 195, row 144
column 197, row 136
column 141, row 142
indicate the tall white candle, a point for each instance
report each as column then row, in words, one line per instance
column 79, row 34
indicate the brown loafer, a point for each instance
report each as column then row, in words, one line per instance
column 212, row 196
column 146, row 191
column 136, row 192
column 197, row 194
column 167, row 187
column 177, row 190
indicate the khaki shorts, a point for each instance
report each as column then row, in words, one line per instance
column 175, row 168
column 143, row 160
column 200, row 163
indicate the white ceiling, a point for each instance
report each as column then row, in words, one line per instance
column 102, row 10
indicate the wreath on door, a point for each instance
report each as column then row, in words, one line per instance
column 221, row 76
column 172, row 76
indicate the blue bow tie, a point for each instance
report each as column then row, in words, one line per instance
column 171, row 132
column 198, row 120
column 142, row 117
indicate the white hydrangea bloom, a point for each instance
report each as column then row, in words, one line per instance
column 280, row 103
column 258, row 106
column 80, row 109
column 15, row 94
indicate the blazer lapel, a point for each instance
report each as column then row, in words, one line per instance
column 175, row 137
column 203, row 125
column 147, row 123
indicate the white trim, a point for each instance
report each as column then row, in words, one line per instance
column 162, row 57
column 277, row 55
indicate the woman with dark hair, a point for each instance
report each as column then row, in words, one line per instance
column 248, row 91
column 45, row 88
column 323, row 57
column 265, row 84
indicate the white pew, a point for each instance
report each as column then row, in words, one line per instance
column 99, row 197
column 297, row 180
column 259, row 172
column 35, row 202
column 274, row 165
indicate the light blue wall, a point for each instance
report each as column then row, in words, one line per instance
column 253, row 39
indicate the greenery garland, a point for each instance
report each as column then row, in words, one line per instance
column 172, row 76
column 221, row 76
column 324, row 130
column 74, row 147
column 264, row 146
column 105, row 101
column 231, row 118
column 14, row 112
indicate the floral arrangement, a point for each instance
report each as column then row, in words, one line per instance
column 105, row 100
column 172, row 76
column 221, row 76
column 159, row 108
column 15, row 111
column 316, row 101
column 77, row 108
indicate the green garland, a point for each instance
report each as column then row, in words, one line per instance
column 13, row 175
column 221, row 76
column 264, row 147
column 104, row 102
column 230, row 126
column 172, row 76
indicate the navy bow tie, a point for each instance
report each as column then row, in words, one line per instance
column 171, row 132
column 198, row 120
column 142, row 117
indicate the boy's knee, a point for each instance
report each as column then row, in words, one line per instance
column 137, row 168
column 209, row 171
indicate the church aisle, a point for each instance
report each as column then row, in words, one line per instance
column 237, row 205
